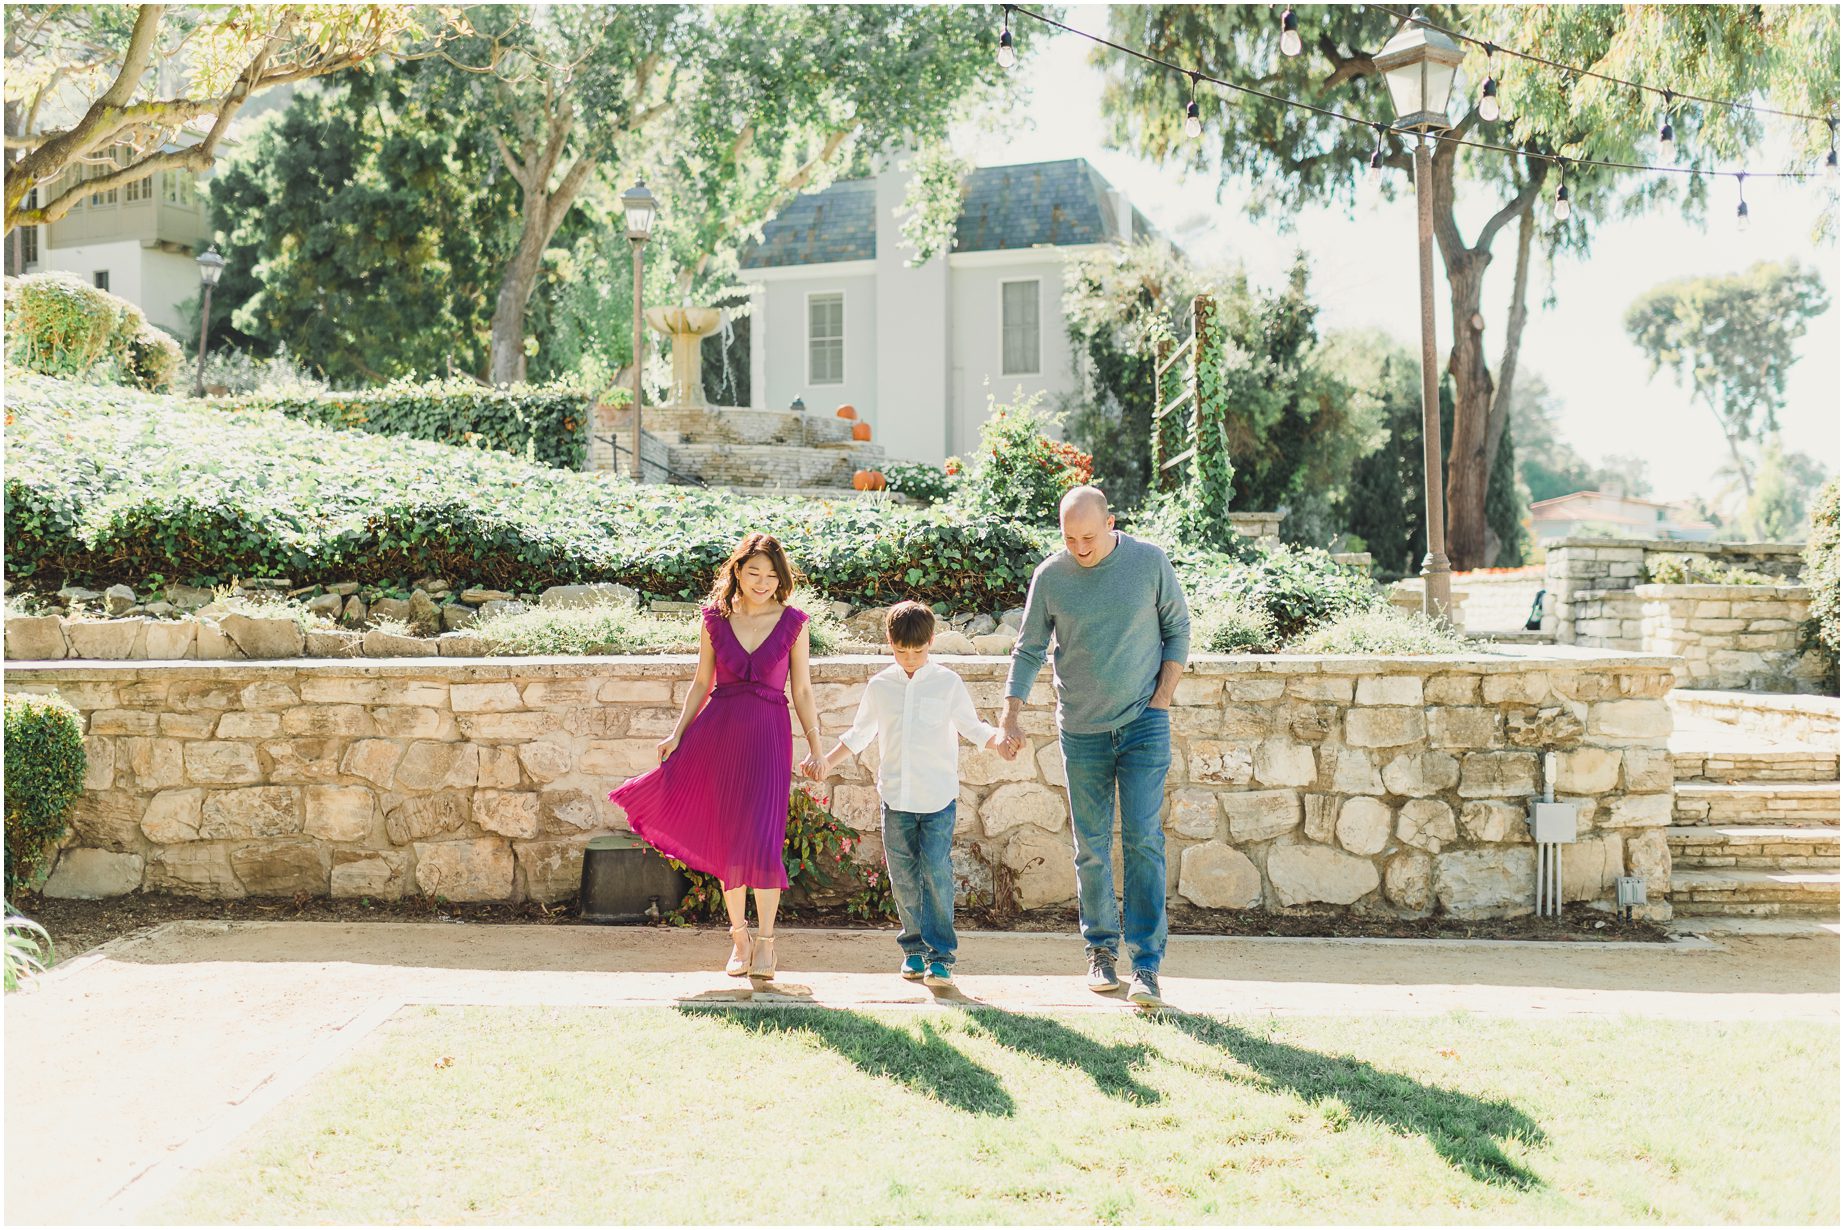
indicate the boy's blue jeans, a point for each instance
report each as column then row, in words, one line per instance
column 1133, row 760
column 917, row 847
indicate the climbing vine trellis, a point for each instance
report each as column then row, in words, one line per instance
column 1190, row 443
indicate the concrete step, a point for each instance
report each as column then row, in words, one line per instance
column 1753, row 892
column 1720, row 763
column 1777, row 847
column 1774, row 803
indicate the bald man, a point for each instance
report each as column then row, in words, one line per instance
column 1109, row 610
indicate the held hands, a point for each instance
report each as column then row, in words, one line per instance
column 1013, row 735
column 1006, row 748
column 813, row 768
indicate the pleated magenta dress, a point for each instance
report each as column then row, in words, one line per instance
column 719, row 804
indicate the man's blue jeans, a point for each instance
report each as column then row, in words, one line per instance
column 916, row 849
column 1132, row 760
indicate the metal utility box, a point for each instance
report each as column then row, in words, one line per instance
column 627, row 881
column 1552, row 823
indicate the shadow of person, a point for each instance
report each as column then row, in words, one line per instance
column 1465, row 1130
column 928, row 1065
column 1110, row 1067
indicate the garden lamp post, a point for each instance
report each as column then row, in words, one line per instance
column 210, row 269
column 1418, row 64
column 640, row 208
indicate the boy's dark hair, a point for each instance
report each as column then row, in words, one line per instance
column 909, row 625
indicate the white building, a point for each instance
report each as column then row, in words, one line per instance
column 1615, row 514
column 839, row 317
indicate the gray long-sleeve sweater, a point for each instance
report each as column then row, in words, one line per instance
column 1108, row 629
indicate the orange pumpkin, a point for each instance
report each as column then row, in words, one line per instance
column 868, row 480
column 847, row 412
column 861, row 431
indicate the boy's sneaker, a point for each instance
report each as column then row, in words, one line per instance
column 940, row 974
column 913, row 967
column 1144, row 989
column 1101, row 975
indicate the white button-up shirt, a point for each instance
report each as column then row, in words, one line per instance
column 915, row 719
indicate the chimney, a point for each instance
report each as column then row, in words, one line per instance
column 1123, row 215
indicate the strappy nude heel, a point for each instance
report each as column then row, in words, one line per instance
column 764, row 964
column 738, row 967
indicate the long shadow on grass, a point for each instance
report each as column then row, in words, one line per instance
column 1110, row 1067
column 928, row 1065
column 1463, row 1129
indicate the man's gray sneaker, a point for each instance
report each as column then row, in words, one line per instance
column 1144, row 989
column 1101, row 975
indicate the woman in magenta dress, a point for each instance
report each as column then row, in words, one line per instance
column 718, row 802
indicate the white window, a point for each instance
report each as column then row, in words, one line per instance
column 141, row 189
column 826, row 338
column 102, row 279
column 1019, row 340
column 177, row 188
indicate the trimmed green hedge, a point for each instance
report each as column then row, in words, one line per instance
column 59, row 325
column 44, row 776
column 548, row 424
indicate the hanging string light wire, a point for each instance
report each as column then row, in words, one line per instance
column 1442, row 137
column 1571, row 70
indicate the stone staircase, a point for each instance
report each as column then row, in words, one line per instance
column 1755, row 826
column 752, row 450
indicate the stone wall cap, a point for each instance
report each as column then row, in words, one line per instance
column 1678, row 546
column 1772, row 593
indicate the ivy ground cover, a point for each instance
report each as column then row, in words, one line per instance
column 604, row 1115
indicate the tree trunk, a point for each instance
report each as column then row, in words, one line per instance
column 515, row 287
column 1515, row 318
column 1468, row 463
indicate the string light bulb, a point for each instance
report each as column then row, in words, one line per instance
column 1561, row 209
column 1290, row 34
column 1007, row 56
column 1741, row 202
column 1489, row 110
column 1373, row 172
column 1194, row 122
column 1667, row 136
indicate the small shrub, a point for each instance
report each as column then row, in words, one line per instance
column 1820, row 630
column 930, row 484
column 279, row 375
column 600, row 629
column 28, row 948
column 1020, row 472
column 44, row 775
column 1229, row 623
column 58, row 325
column 1702, row 570
column 1386, row 631
column 152, row 359
column 1297, row 588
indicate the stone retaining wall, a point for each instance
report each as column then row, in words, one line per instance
column 1389, row 786
column 1579, row 573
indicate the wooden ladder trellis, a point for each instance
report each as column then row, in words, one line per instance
column 1175, row 390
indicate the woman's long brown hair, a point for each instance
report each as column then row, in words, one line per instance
column 722, row 598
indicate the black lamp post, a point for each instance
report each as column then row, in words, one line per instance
column 210, row 269
column 640, row 208
column 1418, row 64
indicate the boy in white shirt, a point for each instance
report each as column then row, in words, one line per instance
column 915, row 709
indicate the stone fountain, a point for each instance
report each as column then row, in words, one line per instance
column 687, row 327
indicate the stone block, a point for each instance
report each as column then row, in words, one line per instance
column 378, row 643
column 265, row 636
column 112, row 640
column 1421, row 773
column 1587, row 770
column 1042, row 865
column 1321, row 816
column 372, row 759
column 1631, row 811
column 1464, row 726
column 1258, row 815
column 636, row 691
column 479, row 870
column 1426, row 824
column 552, row 870
column 1303, row 875
column 1490, row 820
column 1019, row 803
column 1589, row 868
column 1252, row 688
column 1218, row 877
column 220, row 764
column 567, row 811
column 35, row 638
column 614, row 759
column 1440, row 690
column 172, row 816
column 1226, row 763
column 249, row 725
column 501, row 697
column 198, row 869
column 280, row 868
column 1629, row 719
column 253, row 811
column 1194, row 813
column 858, row 807
column 1353, row 772
column 973, row 884
column 512, row 727
column 417, row 817
column 1389, row 690
column 1521, row 687
column 1335, row 688
column 1408, row 881
column 323, row 721
column 508, row 813
column 1496, row 883
column 1050, row 764
column 361, row 691
column 383, row 874
column 413, row 722
column 1648, row 856
column 1494, row 774
column 1648, row 770
column 427, row 765
column 84, row 874
column 1363, row 825
column 995, row 644
column 298, row 761
column 171, row 640
column 1548, row 728
column 982, row 767
column 340, row 813
column 1282, row 762
column 1384, row 727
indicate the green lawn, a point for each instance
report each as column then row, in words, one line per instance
column 814, row 1115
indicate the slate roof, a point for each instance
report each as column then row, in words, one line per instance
column 1028, row 205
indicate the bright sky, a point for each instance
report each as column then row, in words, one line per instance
column 1364, row 276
